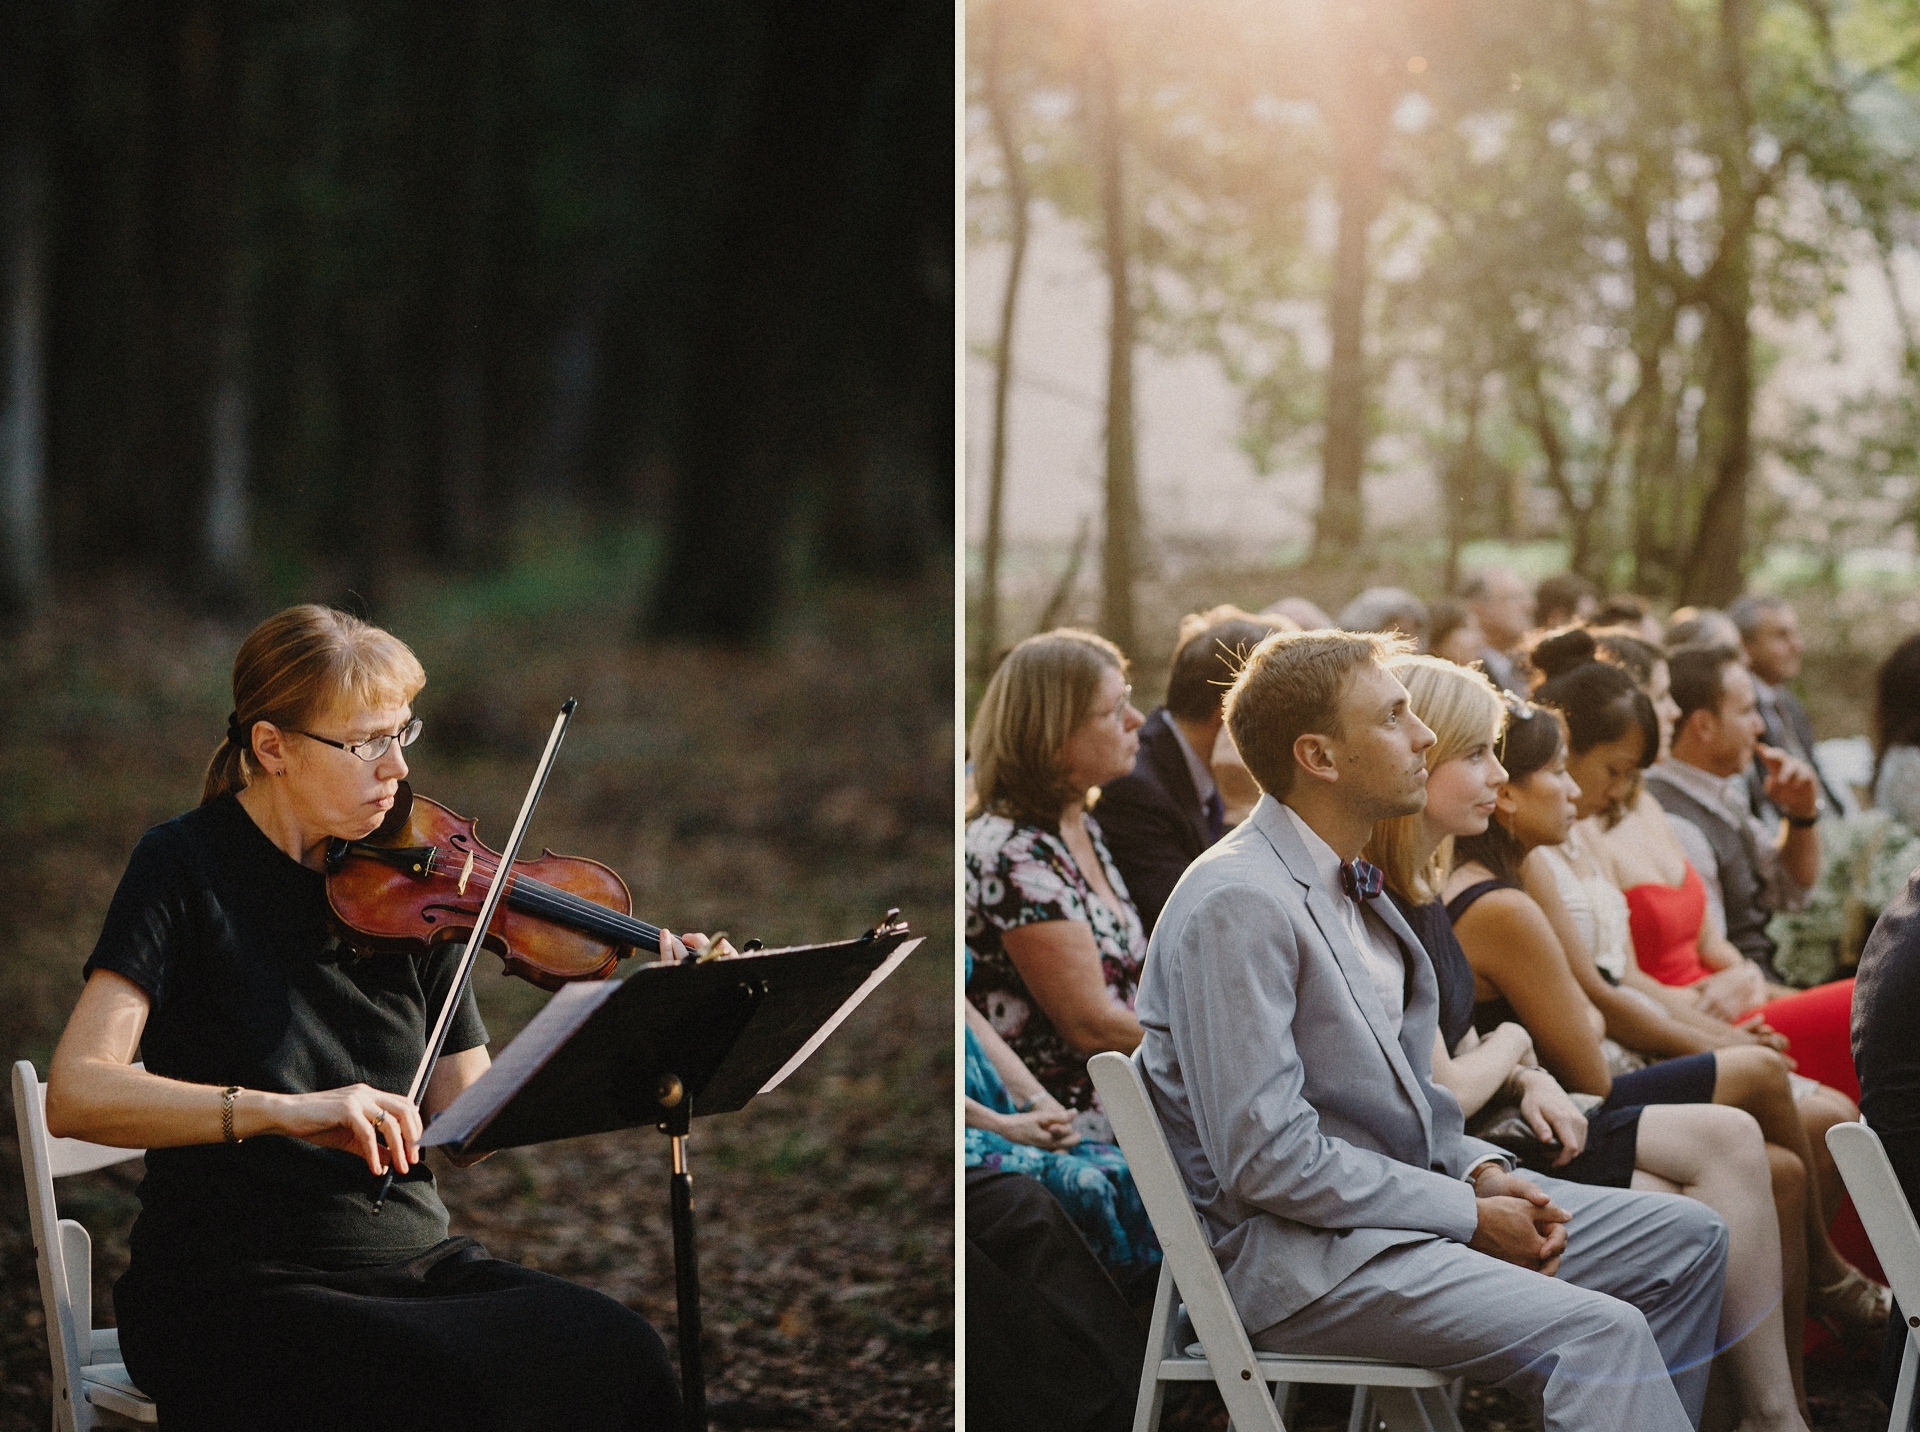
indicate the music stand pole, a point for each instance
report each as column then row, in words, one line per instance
column 721, row 1030
column 686, row 1257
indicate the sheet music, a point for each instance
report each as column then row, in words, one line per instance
column 839, row 1015
column 553, row 1026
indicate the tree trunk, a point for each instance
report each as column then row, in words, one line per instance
column 192, row 181
column 553, row 461
column 23, row 291
column 463, row 136
column 1460, row 486
column 228, row 535
column 1359, row 119
column 1122, row 490
column 1000, row 111
column 754, row 377
column 1652, row 444
column 1714, row 572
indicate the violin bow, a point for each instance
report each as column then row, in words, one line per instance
column 496, row 891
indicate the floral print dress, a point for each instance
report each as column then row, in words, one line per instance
column 1019, row 875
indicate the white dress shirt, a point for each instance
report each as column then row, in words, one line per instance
column 1379, row 950
column 1202, row 773
column 1728, row 796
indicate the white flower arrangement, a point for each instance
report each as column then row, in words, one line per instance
column 1865, row 861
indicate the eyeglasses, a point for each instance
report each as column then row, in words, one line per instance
column 374, row 747
column 1119, row 710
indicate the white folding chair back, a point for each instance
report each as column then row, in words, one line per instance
column 90, row 1384
column 1406, row 1398
column 1888, row 1219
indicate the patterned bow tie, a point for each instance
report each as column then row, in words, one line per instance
column 1362, row 881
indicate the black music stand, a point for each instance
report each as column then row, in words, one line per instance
column 657, row 1047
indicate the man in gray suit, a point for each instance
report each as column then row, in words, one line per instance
column 1289, row 1027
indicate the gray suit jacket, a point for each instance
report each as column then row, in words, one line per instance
column 1310, row 1138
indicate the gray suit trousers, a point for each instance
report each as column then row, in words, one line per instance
column 1620, row 1337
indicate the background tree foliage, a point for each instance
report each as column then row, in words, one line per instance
column 1543, row 243
column 352, row 286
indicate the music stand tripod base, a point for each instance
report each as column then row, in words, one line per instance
column 643, row 1050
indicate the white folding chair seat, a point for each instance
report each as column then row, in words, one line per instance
column 90, row 1384
column 1889, row 1221
column 1404, row 1397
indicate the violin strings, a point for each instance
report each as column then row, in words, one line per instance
column 539, row 898
column 567, row 900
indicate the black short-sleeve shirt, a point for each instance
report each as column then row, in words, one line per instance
column 228, row 935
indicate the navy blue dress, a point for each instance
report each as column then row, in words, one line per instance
column 1612, row 1133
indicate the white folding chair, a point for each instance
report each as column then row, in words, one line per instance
column 1895, row 1236
column 1405, row 1398
column 90, row 1383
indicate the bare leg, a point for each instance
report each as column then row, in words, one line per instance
column 1820, row 1111
column 1755, row 1079
column 1717, row 1156
column 1789, row 1200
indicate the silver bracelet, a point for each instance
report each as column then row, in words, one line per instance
column 226, row 1113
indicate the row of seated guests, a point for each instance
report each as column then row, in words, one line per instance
column 1050, row 901
column 1506, row 884
column 1290, row 1018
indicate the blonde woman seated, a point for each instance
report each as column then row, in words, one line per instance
column 1057, row 944
column 1713, row 1154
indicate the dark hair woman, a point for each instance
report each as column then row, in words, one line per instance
column 1613, row 729
column 1896, row 734
column 263, row 1291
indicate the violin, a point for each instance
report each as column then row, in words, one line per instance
column 421, row 878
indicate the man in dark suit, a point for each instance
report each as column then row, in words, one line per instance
column 1770, row 636
column 1158, row 818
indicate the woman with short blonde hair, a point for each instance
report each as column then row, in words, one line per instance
column 1044, row 689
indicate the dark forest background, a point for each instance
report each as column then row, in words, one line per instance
column 597, row 350
column 312, row 293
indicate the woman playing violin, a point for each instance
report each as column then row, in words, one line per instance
column 265, row 1289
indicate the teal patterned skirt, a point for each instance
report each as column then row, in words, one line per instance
column 1091, row 1181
